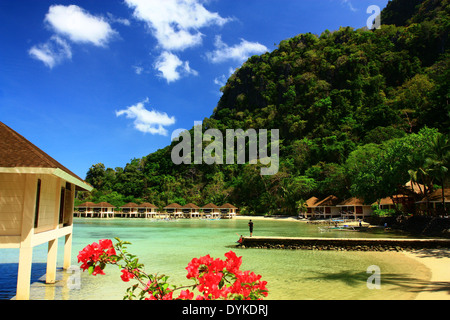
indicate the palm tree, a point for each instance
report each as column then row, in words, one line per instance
column 422, row 174
column 302, row 207
column 439, row 161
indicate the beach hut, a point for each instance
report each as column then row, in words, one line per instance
column 227, row 211
column 408, row 194
column 36, row 205
column 435, row 202
column 311, row 207
column 414, row 187
column 129, row 210
column 103, row 210
column 84, row 210
column 210, row 209
column 191, row 211
column 396, row 202
column 174, row 210
column 355, row 208
column 327, row 207
column 147, row 210
column 385, row 203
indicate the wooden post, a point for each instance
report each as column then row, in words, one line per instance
column 24, row 273
column 26, row 250
column 52, row 255
column 67, row 251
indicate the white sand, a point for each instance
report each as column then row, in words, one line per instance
column 438, row 261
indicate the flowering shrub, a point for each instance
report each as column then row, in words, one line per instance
column 213, row 278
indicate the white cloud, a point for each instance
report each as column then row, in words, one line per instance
column 239, row 52
column 52, row 52
column 222, row 80
column 113, row 19
column 138, row 69
column 79, row 25
column 146, row 121
column 350, row 5
column 175, row 23
column 171, row 68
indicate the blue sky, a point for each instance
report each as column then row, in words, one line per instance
column 107, row 81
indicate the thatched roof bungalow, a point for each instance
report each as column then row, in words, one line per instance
column 355, row 208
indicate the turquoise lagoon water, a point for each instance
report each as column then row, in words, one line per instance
column 166, row 247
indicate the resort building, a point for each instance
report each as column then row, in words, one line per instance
column 174, row 210
column 386, row 204
column 227, row 211
column 85, row 210
column 191, row 211
column 148, row 210
column 130, row 210
column 310, row 207
column 104, row 210
column 434, row 201
column 414, row 187
column 36, row 205
column 211, row 210
column 355, row 208
column 400, row 202
column 327, row 208
column 408, row 195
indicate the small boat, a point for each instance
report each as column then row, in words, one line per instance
column 339, row 228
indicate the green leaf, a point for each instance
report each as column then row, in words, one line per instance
column 91, row 269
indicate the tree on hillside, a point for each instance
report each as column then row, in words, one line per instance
column 439, row 162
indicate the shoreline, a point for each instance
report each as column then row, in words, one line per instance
column 239, row 217
column 436, row 260
column 294, row 219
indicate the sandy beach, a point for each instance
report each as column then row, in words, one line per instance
column 436, row 260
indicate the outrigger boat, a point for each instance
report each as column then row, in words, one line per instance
column 342, row 228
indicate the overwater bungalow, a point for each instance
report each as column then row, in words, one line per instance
column 227, row 211
column 191, row 211
column 434, row 201
column 310, row 207
column 129, row 210
column 84, row 210
column 211, row 210
column 148, row 210
column 174, row 210
column 355, row 208
column 104, row 210
column 36, row 205
column 94, row 210
column 327, row 208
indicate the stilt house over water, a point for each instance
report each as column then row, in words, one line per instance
column 36, row 205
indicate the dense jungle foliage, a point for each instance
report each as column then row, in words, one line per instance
column 360, row 112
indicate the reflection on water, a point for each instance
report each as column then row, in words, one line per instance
column 167, row 247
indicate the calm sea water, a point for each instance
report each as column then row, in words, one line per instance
column 166, row 247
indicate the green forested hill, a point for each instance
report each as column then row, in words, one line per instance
column 352, row 107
